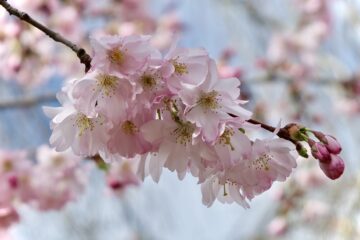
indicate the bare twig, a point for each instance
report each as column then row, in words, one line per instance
column 282, row 133
column 80, row 52
column 27, row 101
column 277, row 78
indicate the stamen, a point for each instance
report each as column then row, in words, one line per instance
column 184, row 132
column 262, row 162
column 180, row 68
column 107, row 83
column 84, row 123
column 225, row 193
column 58, row 160
column 148, row 81
column 129, row 128
column 209, row 101
column 225, row 138
column 116, row 56
column 7, row 165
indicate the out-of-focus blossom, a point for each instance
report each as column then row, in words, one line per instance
column 277, row 227
column 123, row 174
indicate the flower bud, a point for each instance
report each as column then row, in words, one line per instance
column 320, row 136
column 13, row 182
column 115, row 184
column 332, row 145
column 320, row 152
column 335, row 168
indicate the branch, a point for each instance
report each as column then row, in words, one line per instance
column 283, row 133
column 80, row 52
column 274, row 78
column 27, row 101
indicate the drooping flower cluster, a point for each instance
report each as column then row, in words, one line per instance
column 172, row 112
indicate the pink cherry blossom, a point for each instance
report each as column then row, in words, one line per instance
column 209, row 104
column 15, row 174
column 278, row 226
column 211, row 189
column 96, row 92
column 148, row 86
column 123, row 56
column 185, row 66
column 60, row 178
column 174, row 143
column 123, row 174
column 71, row 128
column 126, row 138
column 270, row 160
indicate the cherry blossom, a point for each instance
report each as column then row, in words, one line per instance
column 123, row 56
column 86, row 135
column 176, row 113
column 209, row 104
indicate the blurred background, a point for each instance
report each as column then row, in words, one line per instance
column 298, row 61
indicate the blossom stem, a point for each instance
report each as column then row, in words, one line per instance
column 80, row 52
column 283, row 133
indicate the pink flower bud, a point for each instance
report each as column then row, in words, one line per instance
column 320, row 152
column 115, row 184
column 320, row 136
column 13, row 182
column 332, row 145
column 335, row 168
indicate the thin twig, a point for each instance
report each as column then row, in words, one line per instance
column 27, row 101
column 275, row 78
column 282, row 133
column 80, row 52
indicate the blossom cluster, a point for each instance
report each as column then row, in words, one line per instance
column 49, row 183
column 49, row 180
column 294, row 52
column 171, row 112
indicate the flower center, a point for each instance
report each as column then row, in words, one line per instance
column 180, row 68
column 116, row 56
column 107, row 83
column 129, row 128
column 148, row 81
column 7, row 165
column 84, row 123
column 209, row 101
column 262, row 162
column 58, row 161
column 183, row 133
column 225, row 138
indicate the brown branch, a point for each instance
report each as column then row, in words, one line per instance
column 27, row 101
column 283, row 133
column 80, row 52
